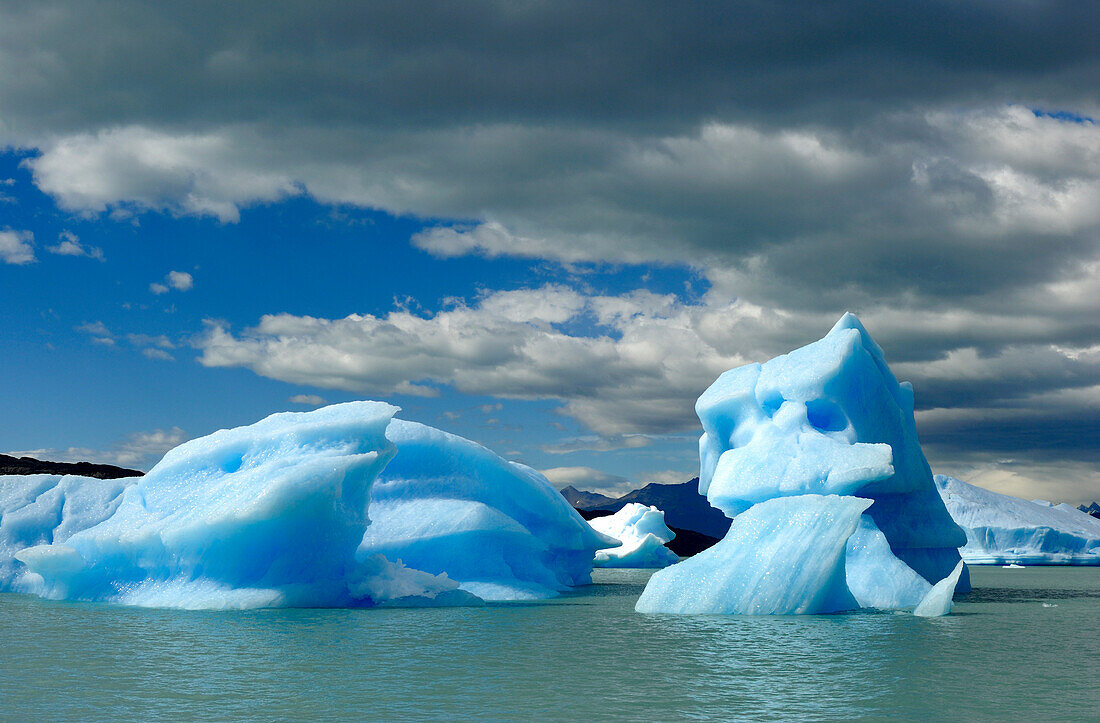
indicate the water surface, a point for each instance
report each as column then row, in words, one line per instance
column 1024, row 644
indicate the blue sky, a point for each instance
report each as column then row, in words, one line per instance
column 548, row 227
column 102, row 357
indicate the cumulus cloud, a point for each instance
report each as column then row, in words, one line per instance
column 16, row 247
column 69, row 245
column 643, row 376
column 178, row 280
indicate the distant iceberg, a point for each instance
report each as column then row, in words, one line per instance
column 642, row 531
column 814, row 454
column 1003, row 530
column 279, row 513
column 445, row 504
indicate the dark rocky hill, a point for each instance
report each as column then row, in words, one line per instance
column 582, row 500
column 29, row 465
column 1093, row 509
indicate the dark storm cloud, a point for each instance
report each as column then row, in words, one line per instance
column 650, row 64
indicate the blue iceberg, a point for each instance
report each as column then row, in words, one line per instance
column 642, row 534
column 790, row 448
column 342, row 506
column 1003, row 530
column 265, row 515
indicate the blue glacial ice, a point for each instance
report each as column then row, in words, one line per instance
column 265, row 515
column 642, row 532
column 1001, row 529
column 445, row 504
column 823, row 430
column 783, row 555
column 300, row 509
column 937, row 602
column 39, row 509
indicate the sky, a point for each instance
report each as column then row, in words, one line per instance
column 548, row 226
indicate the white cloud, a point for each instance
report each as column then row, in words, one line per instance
column 507, row 344
column 311, row 400
column 16, row 247
column 157, row 354
column 139, row 450
column 178, row 280
column 69, row 245
column 146, row 170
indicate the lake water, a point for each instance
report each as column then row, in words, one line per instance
column 1024, row 645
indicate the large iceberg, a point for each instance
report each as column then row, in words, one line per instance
column 642, row 532
column 295, row 510
column 814, row 454
column 265, row 515
column 445, row 504
column 1004, row 530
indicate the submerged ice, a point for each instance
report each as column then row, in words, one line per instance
column 642, row 532
column 814, row 454
column 279, row 513
column 1001, row 529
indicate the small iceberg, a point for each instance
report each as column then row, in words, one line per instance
column 642, row 532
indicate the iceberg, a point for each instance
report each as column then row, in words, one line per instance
column 446, row 504
column 271, row 514
column 38, row 509
column 342, row 506
column 1005, row 530
column 642, row 532
column 814, row 455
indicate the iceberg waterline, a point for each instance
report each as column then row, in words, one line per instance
column 276, row 514
column 814, row 454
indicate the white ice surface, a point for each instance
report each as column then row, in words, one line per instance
column 1001, row 529
column 642, row 531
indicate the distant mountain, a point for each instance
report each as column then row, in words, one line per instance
column 585, row 500
column 29, row 465
column 682, row 504
column 1093, row 509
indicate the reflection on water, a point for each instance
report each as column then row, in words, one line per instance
column 586, row 655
